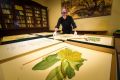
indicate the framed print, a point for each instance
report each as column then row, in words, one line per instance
column 87, row 8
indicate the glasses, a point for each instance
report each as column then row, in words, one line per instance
column 64, row 13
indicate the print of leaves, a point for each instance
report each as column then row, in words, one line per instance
column 55, row 74
column 46, row 63
column 70, row 61
column 70, row 71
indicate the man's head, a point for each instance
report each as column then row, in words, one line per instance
column 64, row 12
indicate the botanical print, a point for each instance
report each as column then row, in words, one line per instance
column 70, row 61
column 94, row 39
column 87, row 8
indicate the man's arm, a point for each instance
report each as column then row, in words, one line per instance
column 58, row 25
column 73, row 24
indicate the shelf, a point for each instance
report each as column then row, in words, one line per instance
column 6, row 6
column 20, row 16
column 23, row 15
column 9, row 26
column 18, row 7
column 6, row 11
column 29, row 16
column 30, row 23
column 28, row 12
column 9, row 23
column 7, row 14
column 21, row 22
column 37, row 12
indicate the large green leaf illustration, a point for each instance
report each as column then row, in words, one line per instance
column 70, row 71
column 46, row 63
column 70, row 61
column 55, row 74
column 77, row 65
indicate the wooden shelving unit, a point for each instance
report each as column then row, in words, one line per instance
column 22, row 16
column 7, row 14
column 38, row 16
column 19, row 17
column 29, row 16
column 44, row 18
column 0, row 25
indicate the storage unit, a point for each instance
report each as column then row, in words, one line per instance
column 22, row 16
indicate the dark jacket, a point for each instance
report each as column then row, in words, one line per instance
column 67, row 24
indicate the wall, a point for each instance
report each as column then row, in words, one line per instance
column 115, row 17
column 109, row 23
column 42, row 2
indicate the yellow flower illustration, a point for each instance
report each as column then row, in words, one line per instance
column 68, row 54
column 70, row 61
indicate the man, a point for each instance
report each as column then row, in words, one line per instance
column 67, row 22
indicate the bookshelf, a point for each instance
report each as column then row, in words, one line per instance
column 22, row 16
column 44, row 17
column 29, row 16
column 0, row 24
column 19, row 17
column 38, row 20
column 7, row 13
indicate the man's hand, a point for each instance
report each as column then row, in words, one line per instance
column 75, row 33
column 54, row 34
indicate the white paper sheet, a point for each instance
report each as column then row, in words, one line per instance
column 10, row 50
column 16, row 37
column 97, row 66
column 43, row 33
column 103, row 40
column 64, row 36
